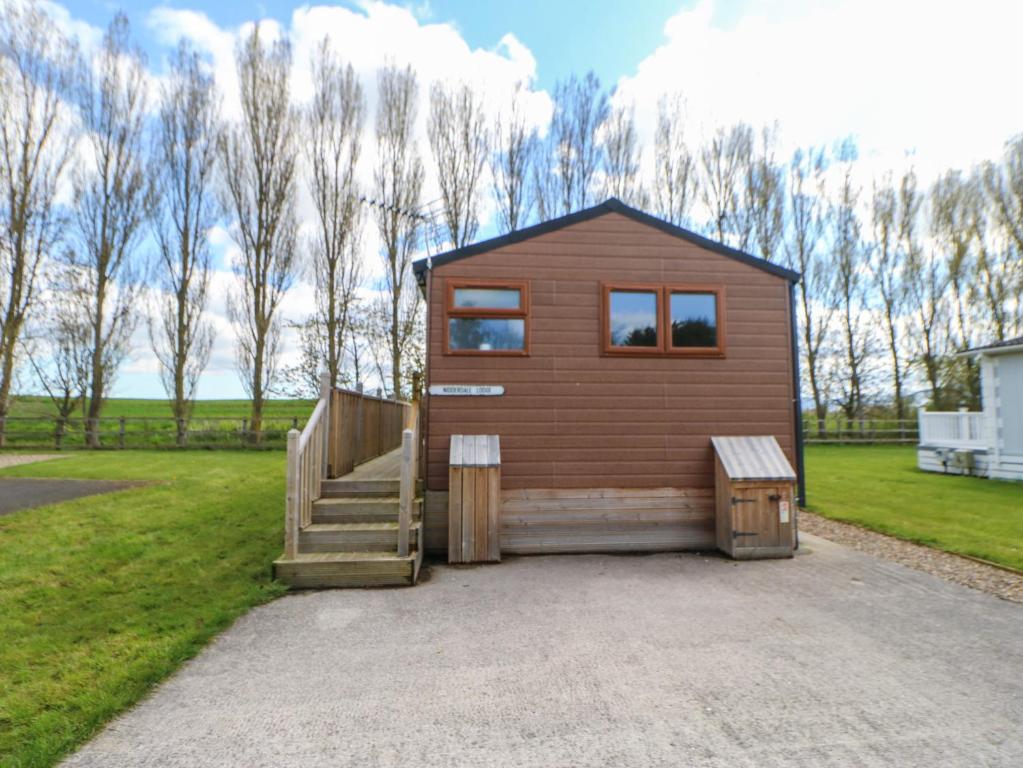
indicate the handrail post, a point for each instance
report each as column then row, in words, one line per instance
column 406, row 491
column 293, row 500
column 325, row 394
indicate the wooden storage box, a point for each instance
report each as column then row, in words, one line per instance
column 474, row 499
column 754, row 492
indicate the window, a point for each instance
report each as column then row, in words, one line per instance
column 664, row 320
column 487, row 318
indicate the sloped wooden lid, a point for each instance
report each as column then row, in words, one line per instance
column 475, row 451
column 753, row 458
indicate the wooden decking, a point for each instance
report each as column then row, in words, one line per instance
column 352, row 539
column 384, row 467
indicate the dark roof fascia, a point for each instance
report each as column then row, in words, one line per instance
column 1009, row 345
column 612, row 205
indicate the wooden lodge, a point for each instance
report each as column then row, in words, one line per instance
column 591, row 359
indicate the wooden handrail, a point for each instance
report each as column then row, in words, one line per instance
column 406, row 488
column 306, row 462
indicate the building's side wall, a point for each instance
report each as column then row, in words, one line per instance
column 572, row 418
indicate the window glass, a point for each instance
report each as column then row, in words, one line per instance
column 633, row 318
column 488, row 298
column 487, row 333
column 694, row 320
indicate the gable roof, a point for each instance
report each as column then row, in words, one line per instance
column 611, row 205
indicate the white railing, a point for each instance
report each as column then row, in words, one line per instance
column 307, row 467
column 953, row 429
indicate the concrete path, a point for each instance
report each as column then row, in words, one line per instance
column 834, row 658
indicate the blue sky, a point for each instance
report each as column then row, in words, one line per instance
column 922, row 82
column 565, row 37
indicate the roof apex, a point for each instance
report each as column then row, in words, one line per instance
column 611, row 205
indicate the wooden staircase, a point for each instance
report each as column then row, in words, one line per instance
column 360, row 530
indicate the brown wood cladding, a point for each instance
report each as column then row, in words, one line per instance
column 573, row 417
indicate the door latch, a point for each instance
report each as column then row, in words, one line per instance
column 774, row 497
column 737, row 534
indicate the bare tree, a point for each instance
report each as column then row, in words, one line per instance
column 952, row 203
column 926, row 283
column 185, row 163
column 513, row 147
column 849, row 257
column 60, row 356
column 723, row 164
column 889, row 278
column 565, row 176
column 622, row 153
column 458, row 138
column 809, row 216
column 36, row 68
column 675, row 172
column 259, row 161
column 1004, row 185
column 113, row 197
column 999, row 270
column 398, row 183
column 765, row 195
column 334, row 122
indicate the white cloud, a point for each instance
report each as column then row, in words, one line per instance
column 933, row 78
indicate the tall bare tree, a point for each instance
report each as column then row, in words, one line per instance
column 723, row 163
column 113, row 197
column 809, row 216
column 952, row 202
column 459, row 141
column 36, row 142
column 675, row 171
column 849, row 261
column 926, row 284
column 566, row 174
column 765, row 195
column 622, row 152
column 334, row 121
column 398, row 184
column 188, row 131
column 999, row 278
column 259, row 159
column 513, row 146
column 59, row 354
column 888, row 267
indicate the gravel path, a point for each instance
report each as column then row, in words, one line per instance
column 14, row 459
column 944, row 565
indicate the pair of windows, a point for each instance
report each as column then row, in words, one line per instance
column 492, row 318
column 663, row 320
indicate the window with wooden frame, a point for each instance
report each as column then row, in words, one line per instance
column 486, row 317
column 656, row 319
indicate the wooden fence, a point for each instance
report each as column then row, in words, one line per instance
column 43, row 432
column 362, row 426
column 835, row 430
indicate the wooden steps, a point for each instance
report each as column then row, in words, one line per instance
column 320, row 570
column 341, row 488
column 352, row 537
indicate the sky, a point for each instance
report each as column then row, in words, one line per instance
column 928, row 82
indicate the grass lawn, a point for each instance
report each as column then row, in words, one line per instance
column 25, row 405
column 104, row 596
column 880, row 487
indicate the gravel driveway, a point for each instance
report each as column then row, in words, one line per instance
column 835, row 658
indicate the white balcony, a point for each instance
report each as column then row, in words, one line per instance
column 954, row 429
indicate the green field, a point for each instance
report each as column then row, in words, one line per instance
column 879, row 487
column 32, row 424
column 103, row 597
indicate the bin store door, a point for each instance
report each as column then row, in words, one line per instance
column 758, row 517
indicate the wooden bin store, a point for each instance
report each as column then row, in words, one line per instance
column 474, row 501
column 754, row 490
